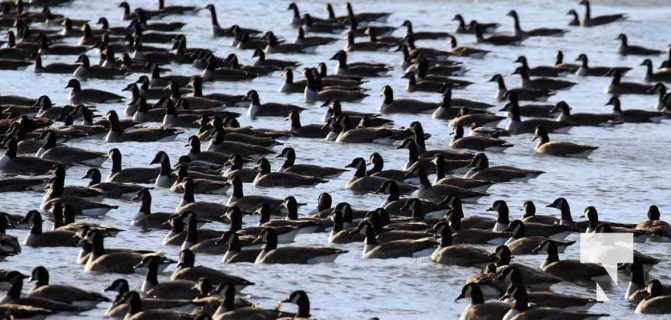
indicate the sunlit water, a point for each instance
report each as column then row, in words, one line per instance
column 622, row 178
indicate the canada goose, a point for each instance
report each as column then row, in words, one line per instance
column 471, row 236
column 520, row 243
column 119, row 308
column 234, row 252
column 145, row 218
column 286, row 232
column 115, row 261
column 478, row 308
column 459, row 255
column 636, row 289
column 204, row 209
column 541, row 83
column 588, row 21
column 364, row 133
column 335, row 112
column 67, row 154
column 569, row 270
column 13, row 296
column 185, row 232
column 195, row 153
column 660, row 76
column 625, row 49
column 560, row 148
column 174, row 289
column 186, row 270
column 268, row 109
column 230, row 308
column 85, row 71
column 81, row 206
column 566, row 219
column 350, row 45
column 657, row 301
column 236, row 169
column 660, row 228
column 217, row 31
column 389, row 105
column 543, row 298
column 531, row 277
column 522, row 93
column 9, row 245
column 64, row 220
column 62, row 293
column 586, row 70
column 116, row 134
column 583, row 119
column 395, row 205
column 639, row 236
column 305, row 169
column 616, row 87
column 423, row 35
column 218, row 143
column 540, row 71
column 521, row 309
column 530, row 215
column 316, row 91
column 359, row 69
column 250, row 203
column 58, row 67
column 436, row 193
column 300, row 255
column 213, row 73
column 129, row 175
column 517, row 126
column 202, row 183
column 38, row 238
column 10, row 163
column 340, row 234
column 635, row 115
column 455, row 206
column 79, row 95
column 135, row 310
column 497, row 39
column 266, row 178
column 517, row 31
column 110, row 189
column 301, row 225
column 360, row 183
column 394, row 174
column 316, row 131
column 422, row 85
column 476, row 142
column 395, row 248
column 481, row 170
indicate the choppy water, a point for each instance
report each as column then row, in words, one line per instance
column 622, row 178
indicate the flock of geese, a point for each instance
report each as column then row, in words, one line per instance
column 420, row 217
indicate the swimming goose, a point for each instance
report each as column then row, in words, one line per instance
column 496, row 39
column 208, row 210
column 81, row 206
column 117, row 134
column 635, row 115
column 478, row 143
column 560, row 148
column 234, row 252
column 466, row 183
column 187, row 270
column 531, row 277
column 575, row 19
column 87, row 71
column 436, row 193
column 268, row 109
column 266, row 178
column 459, row 51
column 660, row 76
column 394, row 174
column 250, row 203
column 522, row 310
column 286, row 232
column 569, row 270
column 335, row 112
column 616, row 87
column 350, row 45
column 275, row 46
column 363, row 133
column 10, row 163
column 13, row 296
column 517, row 126
column 396, row 206
column 340, row 234
column 68, row 154
column 213, row 73
column 467, row 28
column 203, row 184
column 459, row 255
column 657, row 301
column 473, row 235
column 478, row 308
column 530, row 215
column 217, row 31
column 361, row 183
column 586, row 70
column 300, row 225
column 393, row 249
column 481, row 170
column 660, row 228
column 245, row 174
column 136, row 311
column 517, row 30
column 522, row 93
column 592, row 216
column 541, row 83
column 196, row 83
column 423, row 35
column 359, row 69
column 9, row 245
column 38, row 238
column 583, row 119
column 58, row 67
column 540, row 71
column 62, row 293
column 305, row 169
column 625, row 49
column 513, row 276
column 291, row 254
column 389, row 105
column 129, row 175
column 110, row 189
column 79, row 95
column 588, row 21
column 145, row 218
column 520, row 243
column 115, row 262
column 316, row 91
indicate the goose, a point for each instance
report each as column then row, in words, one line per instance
column 455, row 160
column 478, row 308
column 358, row 69
column 365, row 134
column 390, row 105
column 660, row 76
column 175, row 289
column 275, row 46
column 212, row 73
column 245, row 174
column 266, row 178
column 118, row 308
column 522, row 93
column 285, row 233
column 481, row 170
column 634, row 115
column 79, row 95
column 300, row 225
column 350, row 45
column 9, row 245
column 360, row 183
column 196, row 103
column 68, row 154
column 289, row 166
column 517, row 126
column 185, row 232
column 436, row 193
column 250, row 203
column 366, row 16
column 541, row 83
column 64, row 220
column 58, row 67
column 468, row 28
column 117, row 134
column 656, row 302
column 230, row 308
column 218, row 143
column 38, row 238
column 394, row 174
column 145, row 218
column 81, row 206
column 471, row 236
column 110, row 189
column 520, row 243
column 423, row 35
column 217, row 31
column 10, row 163
column 593, row 222
column 130, row 175
column 466, row 183
column 625, row 49
column 393, row 249
column 396, row 206
column 540, row 71
column 62, row 293
column 588, row 21
column 292, row 255
column 660, row 228
column 268, row 109
column 497, row 39
column 204, row 209
column 575, row 19
column 335, row 111
column 517, row 30
column 262, row 61
column 315, row 131
column 467, row 117
column 422, row 86
column 616, row 87
column 186, row 270
column 459, row 255
column 289, row 85
column 520, row 309
column 569, row 270
column 586, row 70
column 513, row 276
column 583, row 119
column 111, row 262
column 560, row 148
column 456, row 50
column 636, row 289
column 13, row 296
column 339, row 234
column 316, row 91
column 532, row 277
column 478, row 143
column 530, row 215
column 196, row 154
column 135, row 310
column 86, row 71
column 196, row 83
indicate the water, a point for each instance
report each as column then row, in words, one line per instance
column 622, row 178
